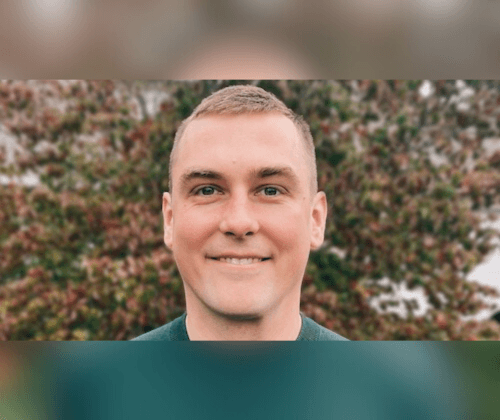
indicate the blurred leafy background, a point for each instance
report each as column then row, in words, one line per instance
column 404, row 164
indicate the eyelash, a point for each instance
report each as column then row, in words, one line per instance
column 197, row 190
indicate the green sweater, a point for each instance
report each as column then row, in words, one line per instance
column 176, row 331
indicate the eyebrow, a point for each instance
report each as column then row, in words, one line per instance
column 262, row 173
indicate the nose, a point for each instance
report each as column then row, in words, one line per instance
column 238, row 219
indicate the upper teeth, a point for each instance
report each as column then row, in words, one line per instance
column 240, row 260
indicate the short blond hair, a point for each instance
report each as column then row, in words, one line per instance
column 247, row 99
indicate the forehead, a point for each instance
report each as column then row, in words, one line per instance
column 237, row 141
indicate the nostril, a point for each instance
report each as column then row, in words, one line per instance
column 234, row 234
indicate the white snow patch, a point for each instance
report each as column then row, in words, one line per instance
column 338, row 252
column 426, row 89
column 9, row 143
column 153, row 100
column 491, row 145
column 488, row 272
column 400, row 292
column 356, row 139
column 28, row 179
column 437, row 159
column 462, row 100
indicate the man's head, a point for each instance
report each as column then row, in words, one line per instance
column 243, row 213
column 237, row 100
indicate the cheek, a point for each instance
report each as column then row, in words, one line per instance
column 191, row 228
column 289, row 231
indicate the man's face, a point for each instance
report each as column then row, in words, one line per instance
column 241, row 221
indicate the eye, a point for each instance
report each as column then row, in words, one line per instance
column 271, row 191
column 205, row 191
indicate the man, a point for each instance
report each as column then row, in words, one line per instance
column 241, row 217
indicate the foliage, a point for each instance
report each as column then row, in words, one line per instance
column 82, row 254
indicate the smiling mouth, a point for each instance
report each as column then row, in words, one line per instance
column 240, row 261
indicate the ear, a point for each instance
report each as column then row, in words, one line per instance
column 168, row 219
column 318, row 220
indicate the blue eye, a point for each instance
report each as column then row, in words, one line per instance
column 271, row 191
column 205, row 191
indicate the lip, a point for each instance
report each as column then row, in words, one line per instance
column 239, row 257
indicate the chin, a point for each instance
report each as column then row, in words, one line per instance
column 238, row 314
column 240, row 317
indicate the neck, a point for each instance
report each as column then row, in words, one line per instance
column 205, row 325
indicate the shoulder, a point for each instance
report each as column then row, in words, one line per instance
column 312, row 331
column 173, row 331
column 327, row 335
